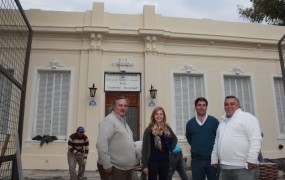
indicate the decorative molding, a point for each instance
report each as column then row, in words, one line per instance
column 237, row 70
column 54, row 64
column 150, row 45
column 96, row 42
column 147, row 44
column 189, row 68
column 154, row 40
column 123, row 64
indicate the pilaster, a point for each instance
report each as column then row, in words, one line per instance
column 97, row 14
column 149, row 17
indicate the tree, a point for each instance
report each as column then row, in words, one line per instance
column 268, row 11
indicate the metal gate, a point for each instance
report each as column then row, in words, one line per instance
column 15, row 45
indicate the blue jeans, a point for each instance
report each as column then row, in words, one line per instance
column 240, row 174
column 202, row 169
column 177, row 163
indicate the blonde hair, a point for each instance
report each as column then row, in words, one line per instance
column 152, row 120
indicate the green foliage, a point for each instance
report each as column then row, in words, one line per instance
column 268, row 11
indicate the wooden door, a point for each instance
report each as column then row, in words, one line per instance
column 133, row 114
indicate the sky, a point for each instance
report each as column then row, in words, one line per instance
column 221, row 10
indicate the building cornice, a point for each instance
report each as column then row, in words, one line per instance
column 86, row 30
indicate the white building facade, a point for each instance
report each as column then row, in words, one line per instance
column 124, row 55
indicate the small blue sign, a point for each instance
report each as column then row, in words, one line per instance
column 92, row 102
column 151, row 103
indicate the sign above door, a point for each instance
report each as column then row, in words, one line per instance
column 122, row 82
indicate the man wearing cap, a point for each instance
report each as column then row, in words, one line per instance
column 78, row 148
column 115, row 144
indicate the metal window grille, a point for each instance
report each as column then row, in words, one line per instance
column 187, row 88
column 280, row 102
column 240, row 86
column 51, row 111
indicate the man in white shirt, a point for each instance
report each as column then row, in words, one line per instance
column 237, row 143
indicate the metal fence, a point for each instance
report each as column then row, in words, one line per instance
column 15, row 44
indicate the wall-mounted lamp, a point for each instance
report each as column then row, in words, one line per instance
column 92, row 90
column 152, row 93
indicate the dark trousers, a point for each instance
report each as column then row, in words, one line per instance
column 177, row 163
column 116, row 174
column 202, row 169
column 240, row 174
column 158, row 168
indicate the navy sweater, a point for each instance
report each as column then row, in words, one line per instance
column 201, row 138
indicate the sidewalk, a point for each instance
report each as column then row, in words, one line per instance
column 64, row 175
column 90, row 175
column 55, row 175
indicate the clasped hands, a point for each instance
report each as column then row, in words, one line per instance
column 249, row 165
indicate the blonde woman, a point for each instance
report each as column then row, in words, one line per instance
column 158, row 142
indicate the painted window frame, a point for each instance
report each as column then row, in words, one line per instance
column 34, row 98
column 281, row 135
column 242, row 99
column 191, row 105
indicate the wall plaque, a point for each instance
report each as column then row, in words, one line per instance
column 123, row 82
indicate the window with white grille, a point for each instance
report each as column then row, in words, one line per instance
column 186, row 88
column 280, row 102
column 240, row 86
column 52, row 104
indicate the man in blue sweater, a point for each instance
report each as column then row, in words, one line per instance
column 200, row 134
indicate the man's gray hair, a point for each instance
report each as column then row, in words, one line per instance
column 118, row 98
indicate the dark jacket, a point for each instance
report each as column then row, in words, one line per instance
column 146, row 148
